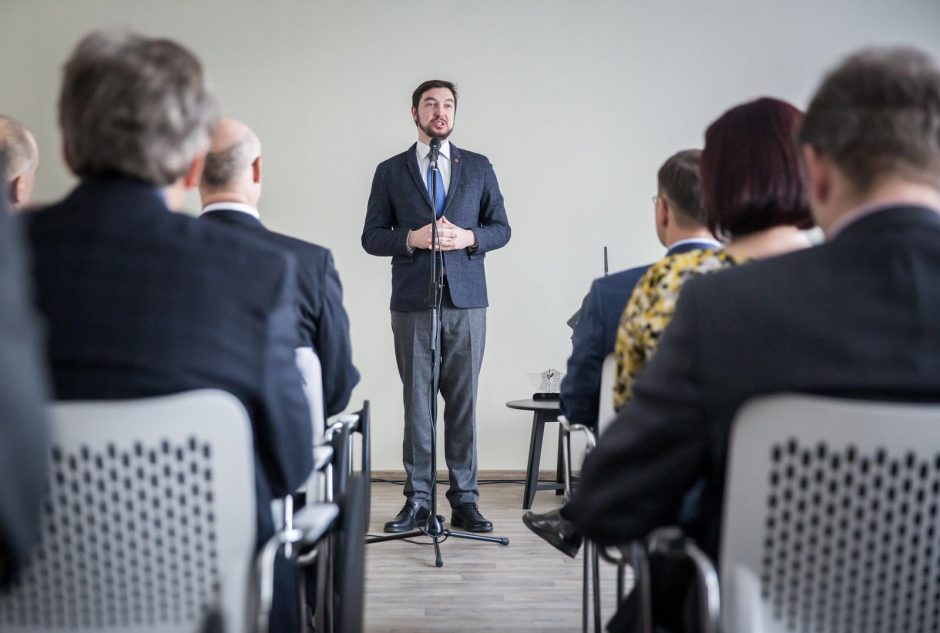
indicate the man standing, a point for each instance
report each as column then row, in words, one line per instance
column 855, row 316
column 680, row 227
column 471, row 220
column 20, row 153
column 230, row 190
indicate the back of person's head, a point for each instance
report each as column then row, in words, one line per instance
column 679, row 182
column 751, row 174
column 134, row 106
column 233, row 161
column 18, row 151
column 878, row 115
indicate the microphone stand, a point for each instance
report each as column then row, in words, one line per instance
column 435, row 527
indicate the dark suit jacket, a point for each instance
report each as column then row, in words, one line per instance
column 855, row 317
column 323, row 323
column 24, row 434
column 595, row 334
column 143, row 302
column 400, row 202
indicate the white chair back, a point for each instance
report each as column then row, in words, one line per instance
column 605, row 407
column 832, row 517
column 309, row 365
column 149, row 522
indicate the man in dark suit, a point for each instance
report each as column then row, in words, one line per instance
column 471, row 220
column 855, row 317
column 24, row 434
column 680, row 227
column 230, row 190
column 141, row 301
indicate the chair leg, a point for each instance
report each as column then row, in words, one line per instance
column 596, row 578
column 585, row 585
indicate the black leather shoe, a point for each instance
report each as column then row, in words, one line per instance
column 412, row 515
column 467, row 516
column 555, row 530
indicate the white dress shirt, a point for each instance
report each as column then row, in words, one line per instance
column 443, row 162
column 232, row 206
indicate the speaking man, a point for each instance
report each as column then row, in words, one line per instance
column 471, row 220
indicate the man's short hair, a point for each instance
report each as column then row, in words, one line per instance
column 429, row 85
column 134, row 106
column 17, row 151
column 679, row 181
column 223, row 167
column 752, row 176
column 878, row 113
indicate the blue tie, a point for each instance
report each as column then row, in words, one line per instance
column 439, row 191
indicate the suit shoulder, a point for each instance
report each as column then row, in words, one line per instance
column 396, row 161
column 473, row 157
column 622, row 280
column 301, row 248
column 242, row 249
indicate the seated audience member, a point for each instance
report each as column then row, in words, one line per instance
column 230, row 189
column 24, row 434
column 854, row 317
column 755, row 200
column 680, row 227
column 141, row 301
column 19, row 151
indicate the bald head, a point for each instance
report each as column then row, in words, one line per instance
column 233, row 165
column 18, row 150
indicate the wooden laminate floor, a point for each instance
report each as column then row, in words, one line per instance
column 527, row 586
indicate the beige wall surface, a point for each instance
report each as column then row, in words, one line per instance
column 575, row 102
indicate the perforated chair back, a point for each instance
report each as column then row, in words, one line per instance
column 605, row 407
column 149, row 522
column 310, row 369
column 831, row 520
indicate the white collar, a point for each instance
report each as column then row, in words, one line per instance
column 707, row 241
column 232, row 206
column 424, row 149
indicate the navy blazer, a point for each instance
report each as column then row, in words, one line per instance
column 24, row 432
column 142, row 302
column 400, row 202
column 323, row 323
column 855, row 317
column 595, row 334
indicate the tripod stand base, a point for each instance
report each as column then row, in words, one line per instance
column 437, row 532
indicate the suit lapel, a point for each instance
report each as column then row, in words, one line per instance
column 411, row 163
column 455, row 165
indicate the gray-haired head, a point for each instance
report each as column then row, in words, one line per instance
column 134, row 106
column 20, row 155
column 878, row 115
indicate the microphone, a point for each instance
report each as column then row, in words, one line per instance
column 435, row 151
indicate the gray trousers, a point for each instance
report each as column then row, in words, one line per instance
column 463, row 332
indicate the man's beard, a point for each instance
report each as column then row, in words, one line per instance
column 433, row 133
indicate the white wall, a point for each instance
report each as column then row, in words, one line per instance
column 575, row 103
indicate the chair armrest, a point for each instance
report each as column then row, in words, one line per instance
column 590, row 440
column 313, row 521
column 309, row 525
column 322, row 456
column 672, row 542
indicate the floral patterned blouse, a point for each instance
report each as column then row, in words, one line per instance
column 651, row 307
